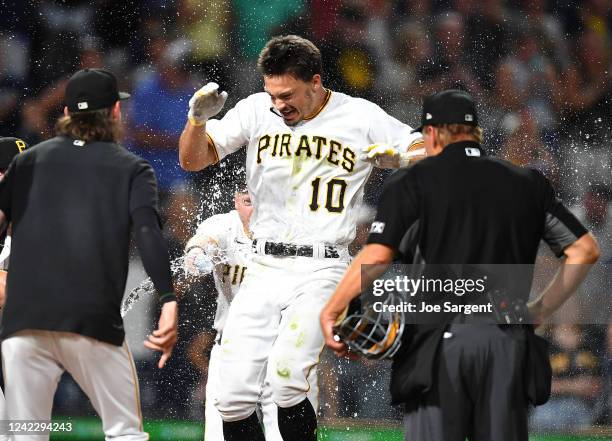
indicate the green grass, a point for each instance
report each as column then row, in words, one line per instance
column 86, row 429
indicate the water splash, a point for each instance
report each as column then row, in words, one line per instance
column 144, row 288
column 177, row 270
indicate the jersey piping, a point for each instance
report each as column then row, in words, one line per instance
column 417, row 143
column 320, row 109
column 211, row 143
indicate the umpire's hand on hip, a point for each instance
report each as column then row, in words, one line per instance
column 164, row 337
column 205, row 104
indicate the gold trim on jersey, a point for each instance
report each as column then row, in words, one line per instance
column 330, row 195
column 136, row 386
column 416, row 143
column 350, row 161
column 316, row 185
column 320, row 109
column 314, row 198
column 211, row 143
column 335, row 149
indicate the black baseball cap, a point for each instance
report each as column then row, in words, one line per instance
column 452, row 106
column 92, row 89
column 9, row 148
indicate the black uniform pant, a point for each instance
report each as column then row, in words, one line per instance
column 478, row 390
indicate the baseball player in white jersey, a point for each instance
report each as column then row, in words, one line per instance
column 222, row 244
column 305, row 172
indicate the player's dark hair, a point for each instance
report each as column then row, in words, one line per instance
column 290, row 54
column 97, row 125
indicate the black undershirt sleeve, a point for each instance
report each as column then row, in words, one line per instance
column 153, row 251
column 561, row 227
column 398, row 209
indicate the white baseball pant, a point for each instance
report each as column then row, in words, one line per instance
column 34, row 361
column 274, row 319
column 3, row 437
column 213, row 425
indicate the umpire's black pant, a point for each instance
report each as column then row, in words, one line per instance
column 477, row 391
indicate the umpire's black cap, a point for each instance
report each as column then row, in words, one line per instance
column 9, row 148
column 452, row 106
column 92, row 89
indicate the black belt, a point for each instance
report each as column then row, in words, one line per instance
column 290, row 250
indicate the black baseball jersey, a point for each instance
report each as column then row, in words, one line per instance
column 70, row 204
column 464, row 207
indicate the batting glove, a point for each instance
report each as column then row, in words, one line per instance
column 197, row 263
column 386, row 156
column 206, row 103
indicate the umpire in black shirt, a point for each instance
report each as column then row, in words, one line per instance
column 73, row 202
column 459, row 206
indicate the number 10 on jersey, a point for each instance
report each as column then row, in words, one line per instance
column 334, row 199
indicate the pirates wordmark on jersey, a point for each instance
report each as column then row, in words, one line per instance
column 232, row 274
column 306, row 181
column 314, row 146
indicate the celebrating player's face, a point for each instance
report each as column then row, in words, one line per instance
column 293, row 98
column 242, row 202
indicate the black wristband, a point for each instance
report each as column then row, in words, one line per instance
column 168, row 297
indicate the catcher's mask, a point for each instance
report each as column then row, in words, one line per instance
column 373, row 334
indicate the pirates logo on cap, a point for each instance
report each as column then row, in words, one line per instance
column 9, row 148
column 21, row 145
column 83, row 105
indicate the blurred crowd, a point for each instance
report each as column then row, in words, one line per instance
column 540, row 71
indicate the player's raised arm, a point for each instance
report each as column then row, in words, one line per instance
column 196, row 152
column 393, row 143
column 385, row 156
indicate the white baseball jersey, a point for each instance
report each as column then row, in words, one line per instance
column 234, row 246
column 306, row 181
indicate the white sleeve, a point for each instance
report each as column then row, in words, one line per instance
column 232, row 131
column 386, row 129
